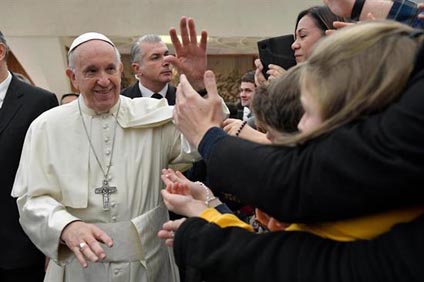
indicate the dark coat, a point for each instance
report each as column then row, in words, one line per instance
column 22, row 104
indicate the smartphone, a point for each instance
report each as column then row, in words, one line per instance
column 276, row 51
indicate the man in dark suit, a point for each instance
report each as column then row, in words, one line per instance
column 20, row 104
column 152, row 71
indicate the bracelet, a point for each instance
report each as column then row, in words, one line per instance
column 208, row 194
column 241, row 128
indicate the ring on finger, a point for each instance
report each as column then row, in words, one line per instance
column 82, row 246
column 171, row 234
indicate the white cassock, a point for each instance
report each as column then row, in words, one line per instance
column 58, row 173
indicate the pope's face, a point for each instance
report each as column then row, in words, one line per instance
column 97, row 74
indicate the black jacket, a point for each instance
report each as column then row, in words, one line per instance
column 22, row 104
column 365, row 166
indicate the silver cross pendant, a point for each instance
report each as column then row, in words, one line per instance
column 105, row 190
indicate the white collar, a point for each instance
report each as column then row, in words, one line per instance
column 246, row 112
column 4, row 85
column 146, row 92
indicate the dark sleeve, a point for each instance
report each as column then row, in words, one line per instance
column 39, row 100
column 205, row 252
column 366, row 166
column 52, row 101
column 48, row 101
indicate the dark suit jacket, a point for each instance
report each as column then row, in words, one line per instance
column 22, row 104
column 362, row 167
column 134, row 91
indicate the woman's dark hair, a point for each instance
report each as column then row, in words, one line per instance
column 322, row 17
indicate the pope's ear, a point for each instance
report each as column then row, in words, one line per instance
column 70, row 73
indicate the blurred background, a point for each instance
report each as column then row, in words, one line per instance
column 39, row 32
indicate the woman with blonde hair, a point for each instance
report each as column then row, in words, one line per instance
column 359, row 71
column 353, row 74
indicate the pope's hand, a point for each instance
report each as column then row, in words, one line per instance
column 84, row 240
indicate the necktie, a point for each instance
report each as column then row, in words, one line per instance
column 157, row 96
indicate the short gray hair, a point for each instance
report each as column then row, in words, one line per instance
column 137, row 53
column 71, row 63
column 3, row 40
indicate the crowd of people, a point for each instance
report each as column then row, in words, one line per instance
column 328, row 155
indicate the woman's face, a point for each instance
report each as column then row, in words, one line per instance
column 307, row 35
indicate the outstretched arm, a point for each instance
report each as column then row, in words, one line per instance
column 234, row 254
column 235, row 127
column 343, row 8
column 407, row 12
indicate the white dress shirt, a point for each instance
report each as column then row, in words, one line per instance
column 4, row 85
column 146, row 92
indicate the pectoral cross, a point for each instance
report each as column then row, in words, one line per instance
column 105, row 190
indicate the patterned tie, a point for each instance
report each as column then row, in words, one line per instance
column 157, row 96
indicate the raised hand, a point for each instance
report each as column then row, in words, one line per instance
column 193, row 114
column 338, row 25
column 191, row 57
column 275, row 71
